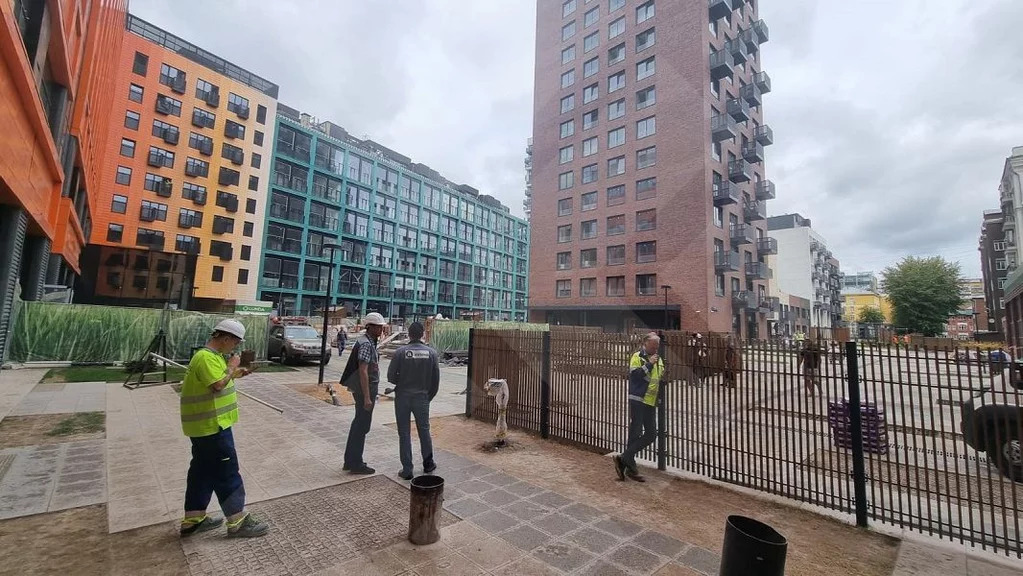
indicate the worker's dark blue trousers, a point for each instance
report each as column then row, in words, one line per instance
column 214, row 469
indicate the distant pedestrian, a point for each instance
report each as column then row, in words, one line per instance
column 209, row 410
column 645, row 372
column 810, row 361
column 362, row 377
column 332, row 335
column 342, row 339
column 415, row 373
column 698, row 357
column 733, row 363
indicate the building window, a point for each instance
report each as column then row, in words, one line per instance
column 616, row 28
column 247, row 229
column 203, row 119
column 646, row 220
column 615, row 5
column 254, row 183
column 646, row 157
column 646, row 188
column 588, row 229
column 646, row 284
column 616, row 225
column 567, row 31
column 119, row 204
column 1001, row 283
column 646, row 97
column 566, row 154
column 566, row 180
column 234, row 130
column 644, row 12
column 246, row 253
column 564, row 233
column 998, row 246
column 591, row 93
column 567, row 8
column 196, row 168
column 715, row 151
column 568, row 54
column 257, row 160
column 141, row 64
column 646, row 251
column 127, row 148
column 616, row 166
column 616, row 285
column 591, row 42
column 131, row 120
column 218, row 274
column 564, row 288
column 616, row 109
column 568, row 103
column 589, row 201
column 616, row 82
column 591, row 67
column 261, row 114
column 564, row 260
column 152, row 211
column 719, row 285
column 719, row 217
column 616, row 195
column 257, row 138
column 123, row 175
column 568, row 78
column 193, row 192
column 1001, row 264
column 645, row 68
column 589, row 173
column 588, row 258
column 591, row 17
column 616, row 255
column 115, row 232
column 238, row 105
column 168, row 105
column 135, row 93
column 616, row 54
column 589, row 146
column 567, row 128
column 715, row 88
column 645, row 40
column 587, row 287
column 646, row 127
column 160, row 157
column 590, row 119
column 565, row 207
column 616, row 137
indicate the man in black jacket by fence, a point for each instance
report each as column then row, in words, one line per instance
column 415, row 373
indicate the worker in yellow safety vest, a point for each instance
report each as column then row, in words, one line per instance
column 209, row 407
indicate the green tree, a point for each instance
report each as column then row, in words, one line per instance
column 924, row 292
column 870, row 315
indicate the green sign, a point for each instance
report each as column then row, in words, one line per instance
column 253, row 307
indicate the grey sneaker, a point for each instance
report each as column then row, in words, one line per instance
column 248, row 528
column 207, row 523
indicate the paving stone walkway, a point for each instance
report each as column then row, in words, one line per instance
column 61, row 398
column 53, row 477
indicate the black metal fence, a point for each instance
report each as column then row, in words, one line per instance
column 919, row 438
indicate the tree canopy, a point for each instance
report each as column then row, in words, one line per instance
column 924, row 292
column 870, row 315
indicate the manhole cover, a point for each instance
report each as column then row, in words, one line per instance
column 5, row 464
column 311, row 531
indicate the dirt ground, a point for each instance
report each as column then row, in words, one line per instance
column 36, row 430
column 320, row 393
column 688, row 510
column 76, row 542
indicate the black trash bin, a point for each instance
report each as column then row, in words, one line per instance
column 752, row 547
column 425, row 509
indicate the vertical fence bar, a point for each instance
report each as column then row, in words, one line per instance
column 468, row 377
column 856, row 430
column 545, row 386
column 662, row 412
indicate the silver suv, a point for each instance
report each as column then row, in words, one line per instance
column 296, row 343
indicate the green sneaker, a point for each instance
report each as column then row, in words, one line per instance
column 247, row 527
column 191, row 526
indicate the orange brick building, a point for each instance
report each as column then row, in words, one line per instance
column 57, row 59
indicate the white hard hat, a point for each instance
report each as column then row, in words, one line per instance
column 374, row 318
column 232, row 327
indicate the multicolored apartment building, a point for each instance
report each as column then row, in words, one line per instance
column 181, row 213
column 57, row 62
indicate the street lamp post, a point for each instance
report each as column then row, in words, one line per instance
column 666, row 287
column 326, row 308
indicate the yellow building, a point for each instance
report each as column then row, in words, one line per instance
column 855, row 303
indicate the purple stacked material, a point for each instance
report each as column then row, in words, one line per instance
column 875, row 429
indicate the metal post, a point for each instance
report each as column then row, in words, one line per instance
column 545, row 387
column 856, row 431
column 468, row 376
column 326, row 308
column 662, row 411
column 666, row 287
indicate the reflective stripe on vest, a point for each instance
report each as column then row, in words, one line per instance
column 205, row 411
column 206, row 397
column 211, row 415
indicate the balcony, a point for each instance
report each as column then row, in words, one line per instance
column 725, row 193
column 327, row 193
column 723, row 127
column 211, row 97
column 290, row 182
column 719, row 9
column 164, row 105
column 742, row 300
column 281, row 245
column 762, row 81
column 738, row 109
column 170, row 136
column 721, row 65
column 764, row 135
column 763, row 34
column 285, row 213
column 155, row 160
column 767, row 246
column 757, row 271
column 150, row 214
column 242, row 112
column 740, row 171
column 753, row 152
column 726, row 262
column 769, row 304
column 314, row 285
column 765, row 190
column 322, row 221
column 742, row 234
column 737, row 48
column 753, row 211
column 1008, row 222
column 751, row 94
column 179, row 83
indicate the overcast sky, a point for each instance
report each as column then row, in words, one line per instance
column 892, row 119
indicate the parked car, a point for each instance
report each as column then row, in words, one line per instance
column 992, row 422
column 296, row 343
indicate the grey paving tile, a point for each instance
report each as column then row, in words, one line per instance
column 498, row 497
column 494, row 521
column 603, row 568
column 525, row 537
column 619, row 527
column 466, row 507
column 596, row 541
column 636, row 558
column 583, row 513
column 500, row 479
column 555, row 524
column 524, row 489
column 660, row 544
column 526, row 510
column 563, row 556
column 701, row 560
column 474, row 486
column 551, row 499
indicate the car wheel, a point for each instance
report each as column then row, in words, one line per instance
column 1006, row 448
